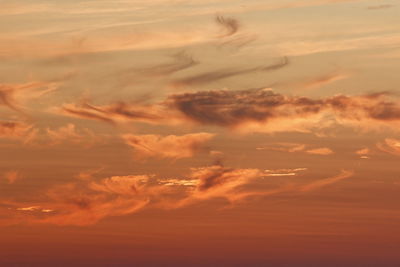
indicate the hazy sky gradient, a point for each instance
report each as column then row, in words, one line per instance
column 199, row 132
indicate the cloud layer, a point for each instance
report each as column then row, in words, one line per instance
column 170, row 146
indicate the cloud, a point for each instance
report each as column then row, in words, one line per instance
column 253, row 110
column 283, row 172
column 12, row 176
column 284, row 147
column 320, row 151
column 121, row 185
column 266, row 111
column 294, row 147
column 390, row 145
column 88, row 174
column 114, row 113
column 322, row 80
column 70, row 134
column 181, row 61
column 11, row 95
column 182, row 182
column 87, row 201
column 303, row 47
column 363, row 151
column 170, row 146
column 383, row 6
column 16, row 130
column 221, row 182
column 325, row 182
column 32, row 208
column 214, row 76
column 230, row 25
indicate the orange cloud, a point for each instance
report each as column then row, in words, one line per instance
column 284, row 147
column 284, row 172
column 11, row 95
column 320, row 151
column 325, row 182
column 322, row 80
column 266, row 111
column 171, row 146
column 364, row 153
column 17, row 130
column 12, row 176
column 88, row 201
column 390, row 145
column 70, row 134
column 114, row 113
column 221, row 182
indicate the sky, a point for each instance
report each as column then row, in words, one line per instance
column 199, row 133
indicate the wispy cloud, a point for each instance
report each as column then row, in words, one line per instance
column 390, row 145
column 383, row 6
column 89, row 200
column 170, row 146
column 181, row 61
column 253, row 110
column 230, row 25
column 12, row 176
column 16, row 130
column 11, row 95
column 70, row 134
column 320, row 151
column 284, row 172
column 213, row 76
column 114, row 113
column 321, row 80
column 284, row 147
column 325, row 182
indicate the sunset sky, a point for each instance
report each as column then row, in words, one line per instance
column 200, row 133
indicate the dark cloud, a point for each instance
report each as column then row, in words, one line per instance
column 230, row 25
column 112, row 113
column 231, row 108
column 181, row 61
column 213, row 76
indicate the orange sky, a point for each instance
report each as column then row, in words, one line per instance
column 199, row 133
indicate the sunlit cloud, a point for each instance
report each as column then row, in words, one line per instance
column 17, row 130
column 118, row 112
column 89, row 200
column 364, row 153
column 70, row 134
column 320, row 151
column 284, row 172
column 13, row 95
column 328, row 181
column 321, row 80
column 170, row 146
column 390, row 145
column 284, row 147
column 254, row 110
column 12, row 176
